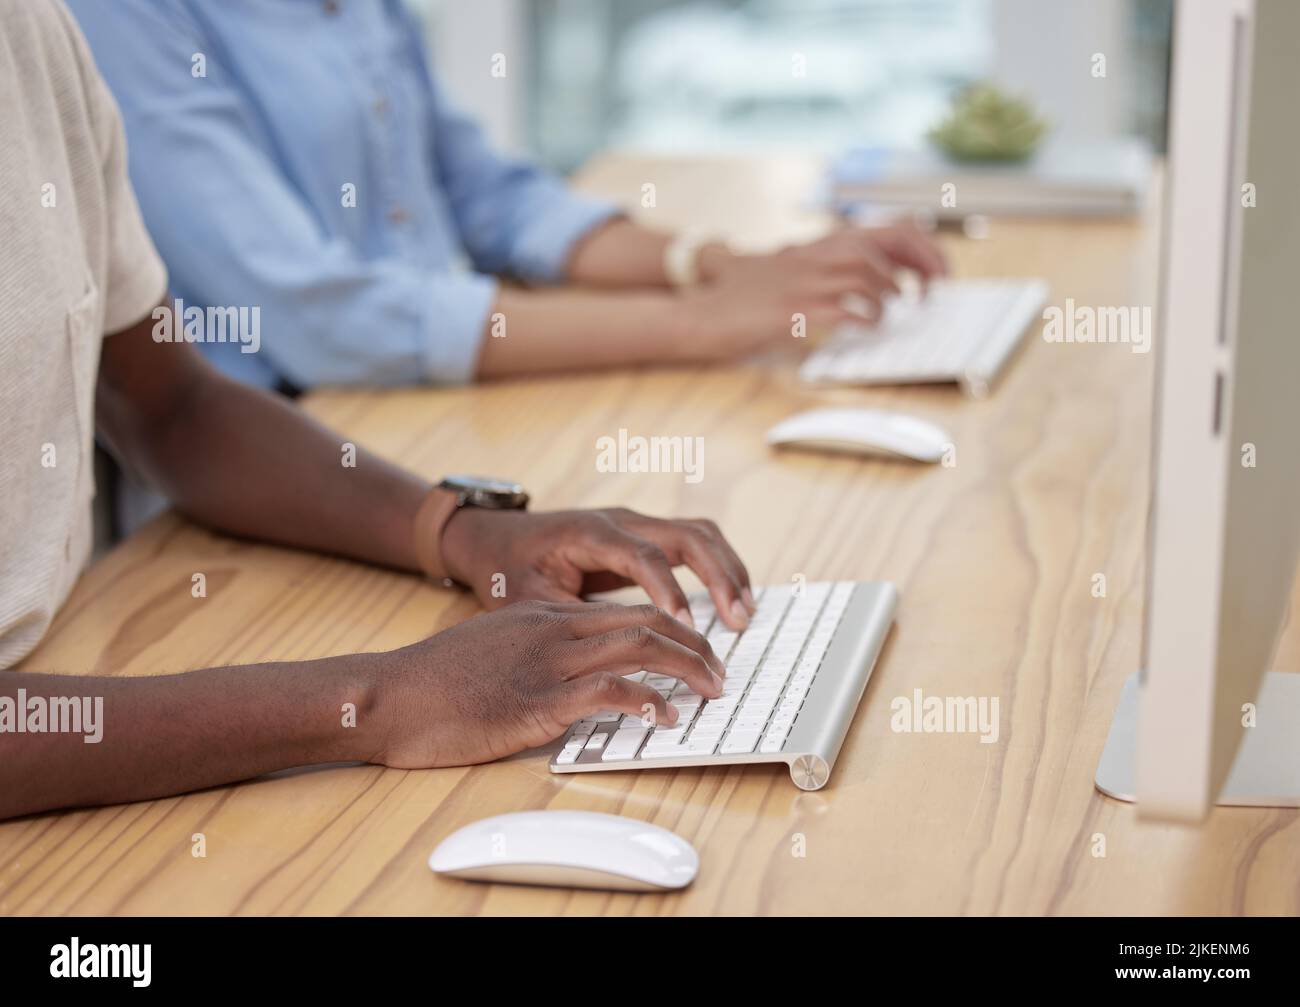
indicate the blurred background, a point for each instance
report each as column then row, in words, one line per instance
column 732, row 76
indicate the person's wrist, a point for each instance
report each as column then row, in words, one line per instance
column 356, row 732
column 688, row 327
column 462, row 539
column 408, row 710
column 713, row 260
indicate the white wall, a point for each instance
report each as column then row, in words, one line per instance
column 464, row 35
column 1045, row 48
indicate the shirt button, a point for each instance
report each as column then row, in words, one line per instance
column 398, row 215
column 381, row 107
column 330, row 6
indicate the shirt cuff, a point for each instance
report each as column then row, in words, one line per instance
column 543, row 250
column 455, row 327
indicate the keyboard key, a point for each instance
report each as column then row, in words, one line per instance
column 661, row 753
column 752, row 646
column 774, row 738
column 738, row 742
column 817, row 591
column 757, row 705
column 816, row 649
column 656, row 744
column 722, row 643
column 795, row 693
column 624, row 744
column 597, row 741
column 668, row 735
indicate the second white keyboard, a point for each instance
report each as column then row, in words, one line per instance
column 963, row 330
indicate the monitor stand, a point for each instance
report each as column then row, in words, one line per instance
column 1266, row 773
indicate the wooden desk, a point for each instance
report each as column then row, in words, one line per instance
column 995, row 559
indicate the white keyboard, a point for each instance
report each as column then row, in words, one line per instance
column 963, row 331
column 794, row 678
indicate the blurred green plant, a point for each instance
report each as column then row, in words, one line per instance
column 987, row 124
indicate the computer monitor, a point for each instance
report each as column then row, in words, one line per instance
column 1205, row 721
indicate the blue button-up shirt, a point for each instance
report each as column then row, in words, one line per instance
column 253, row 124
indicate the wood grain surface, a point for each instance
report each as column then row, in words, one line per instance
column 995, row 558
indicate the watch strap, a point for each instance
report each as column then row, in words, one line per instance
column 430, row 520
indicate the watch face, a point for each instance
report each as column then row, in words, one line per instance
column 483, row 491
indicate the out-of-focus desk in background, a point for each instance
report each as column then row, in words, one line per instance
column 995, row 558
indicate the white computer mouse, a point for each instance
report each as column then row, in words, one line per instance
column 573, row 849
column 862, row 431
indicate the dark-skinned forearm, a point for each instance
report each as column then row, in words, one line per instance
column 251, row 464
column 164, row 735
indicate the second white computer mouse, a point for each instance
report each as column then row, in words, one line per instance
column 862, row 431
column 572, row 849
